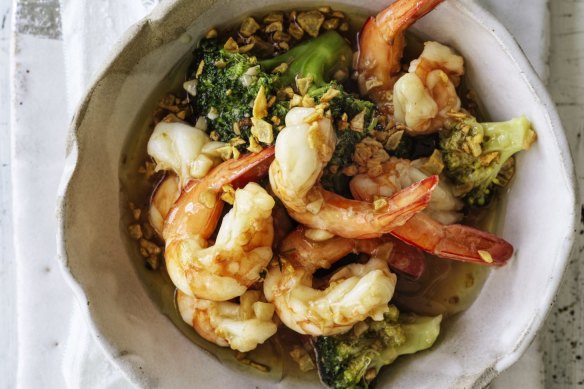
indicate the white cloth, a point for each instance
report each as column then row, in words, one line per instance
column 89, row 29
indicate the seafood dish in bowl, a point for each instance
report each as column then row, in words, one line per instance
column 310, row 193
column 316, row 158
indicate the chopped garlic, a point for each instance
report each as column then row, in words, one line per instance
column 228, row 194
column 213, row 113
column 201, row 166
column 485, row 256
column 191, row 87
column 330, row 94
column 260, row 104
column 315, row 206
column 225, row 152
column 208, row 199
column 303, row 84
column 250, row 76
column 254, row 146
column 358, row 122
column 210, row 149
column 262, row 130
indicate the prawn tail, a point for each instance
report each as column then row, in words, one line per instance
column 406, row 203
column 455, row 241
column 469, row 244
column 408, row 260
column 239, row 172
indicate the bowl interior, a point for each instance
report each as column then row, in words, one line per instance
column 474, row 346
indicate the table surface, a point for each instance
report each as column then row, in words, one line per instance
column 561, row 337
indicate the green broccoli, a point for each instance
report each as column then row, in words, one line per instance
column 478, row 156
column 227, row 84
column 318, row 59
column 344, row 108
column 353, row 360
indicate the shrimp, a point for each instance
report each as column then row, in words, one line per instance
column 163, row 197
column 423, row 97
column 302, row 151
column 185, row 150
column 240, row 326
column 452, row 241
column 300, row 247
column 243, row 246
column 400, row 173
column 355, row 293
column 381, row 46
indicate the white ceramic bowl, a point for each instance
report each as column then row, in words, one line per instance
column 474, row 346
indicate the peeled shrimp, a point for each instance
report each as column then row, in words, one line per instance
column 300, row 247
column 243, row 246
column 302, row 151
column 163, row 197
column 381, row 46
column 423, row 97
column 185, row 150
column 452, row 241
column 400, row 173
column 240, row 326
column 355, row 293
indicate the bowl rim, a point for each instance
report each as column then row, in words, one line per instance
column 510, row 45
column 469, row 7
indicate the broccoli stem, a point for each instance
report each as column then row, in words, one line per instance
column 508, row 137
column 318, row 59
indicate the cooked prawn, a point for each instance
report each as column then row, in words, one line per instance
column 452, row 241
column 423, row 97
column 299, row 247
column 302, row 151
column 240, row 326
column 355, row 293
column 400, row 173
column 186, row 150
column 244, row 242
column 381, row 46
column 163, row 197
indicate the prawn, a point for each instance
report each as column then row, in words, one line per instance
column 303, row 149
column 243, row 246
column 165, row 194
column 399, row 173
column 422, row 98
column 241, row 326
column 381, row 46
column 453, row 241
column 300, row 247
column 354, row 293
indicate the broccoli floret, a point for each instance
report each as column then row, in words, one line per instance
column 227, row 84
column 353, row 360
column 318, row 59
column 478, row 156
column 344, row 107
